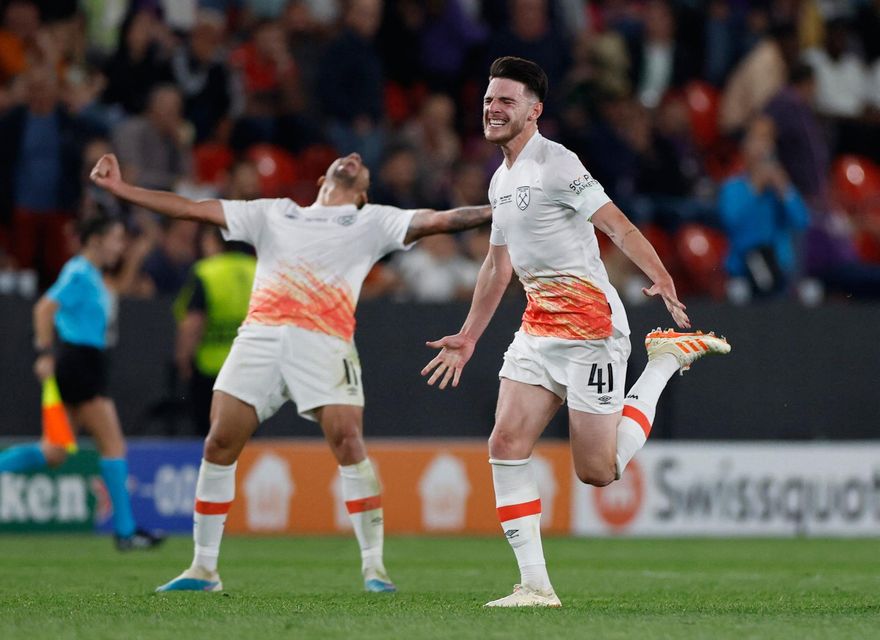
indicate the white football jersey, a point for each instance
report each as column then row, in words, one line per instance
column 312, row 261
column 541, row 209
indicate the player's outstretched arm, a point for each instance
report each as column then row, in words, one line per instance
column 427, row 222
column 611, row 221
column 107, row 175
column 455, row 351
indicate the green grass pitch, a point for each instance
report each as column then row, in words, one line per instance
column 79, row 587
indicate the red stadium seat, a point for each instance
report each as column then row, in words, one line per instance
column 212, row 161
column 868, row 247
column 855, row 181
column 277, row 168
column 664, row 245
column 702, row 101
column 702, row 251
column 314, row 160
column 661, row 242
column 304, row 192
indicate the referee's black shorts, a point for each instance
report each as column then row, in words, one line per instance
column 81, row 372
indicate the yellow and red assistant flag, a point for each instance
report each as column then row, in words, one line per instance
column 56, row 425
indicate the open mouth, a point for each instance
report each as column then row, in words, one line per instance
column 495, row 123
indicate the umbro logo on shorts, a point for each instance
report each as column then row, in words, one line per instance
column 605, row 399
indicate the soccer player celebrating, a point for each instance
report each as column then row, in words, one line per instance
column 574, row 339
column 78, row 308
column 297, row 340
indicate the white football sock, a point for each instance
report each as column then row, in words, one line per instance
column 640, row 406
column 215, row 491
column 519, row 510
column 363, row 500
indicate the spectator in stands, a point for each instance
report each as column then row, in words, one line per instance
column 167, row 266
column 266, row 68
column 469, row 185
column 801, row 142
column 275, row 107
column 843, row 91
column 437, row 271
column 155, row 149
column 244, row 182
column 841, row 77
column 140, row 63
column 662, row 189
column 722, row 43
column 761, row 211
column 401, row 181
column 530, row 34
column 758, row 77
column 659, row 61
column 432, row 134
column 40, row 159
column 447, row 38
column 21, row 22
column 352, row 83
column 202, row 76
column 306, row 43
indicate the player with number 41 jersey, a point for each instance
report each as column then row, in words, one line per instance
column 573, row 344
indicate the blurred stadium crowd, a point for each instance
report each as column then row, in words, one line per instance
column 742, row 136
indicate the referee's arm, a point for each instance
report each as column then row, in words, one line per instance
column 107, row 175
column 44, row 336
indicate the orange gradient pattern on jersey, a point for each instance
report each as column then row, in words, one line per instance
column 565, row 306
column 299, row 297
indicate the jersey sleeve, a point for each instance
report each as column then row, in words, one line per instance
column 568, row 183
column 496, row 236
column 245, row 219
column 391, row 225
column 68, row 288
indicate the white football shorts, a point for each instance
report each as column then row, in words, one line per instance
column 590, row 374
column 269, row 365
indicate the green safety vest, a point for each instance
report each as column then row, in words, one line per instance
column 227, row 279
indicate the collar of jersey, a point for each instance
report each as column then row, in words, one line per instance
column 523, row 153
column 350, row 205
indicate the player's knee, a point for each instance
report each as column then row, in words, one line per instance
column 346, row 441
column 219, row 449
column 505, row 446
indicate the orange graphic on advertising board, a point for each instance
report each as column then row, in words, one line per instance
column 619, row 503
column 297, row 296
column 435, row 487
column 566, row 306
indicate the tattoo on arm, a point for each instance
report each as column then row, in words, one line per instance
column 426, row 223
column 626, row 235
column 467, row 217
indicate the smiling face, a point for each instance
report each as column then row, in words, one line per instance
column 508, row 108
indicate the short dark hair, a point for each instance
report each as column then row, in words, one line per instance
column 521, row 70
column 96, row 225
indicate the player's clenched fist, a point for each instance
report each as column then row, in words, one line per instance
column 106, row 173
